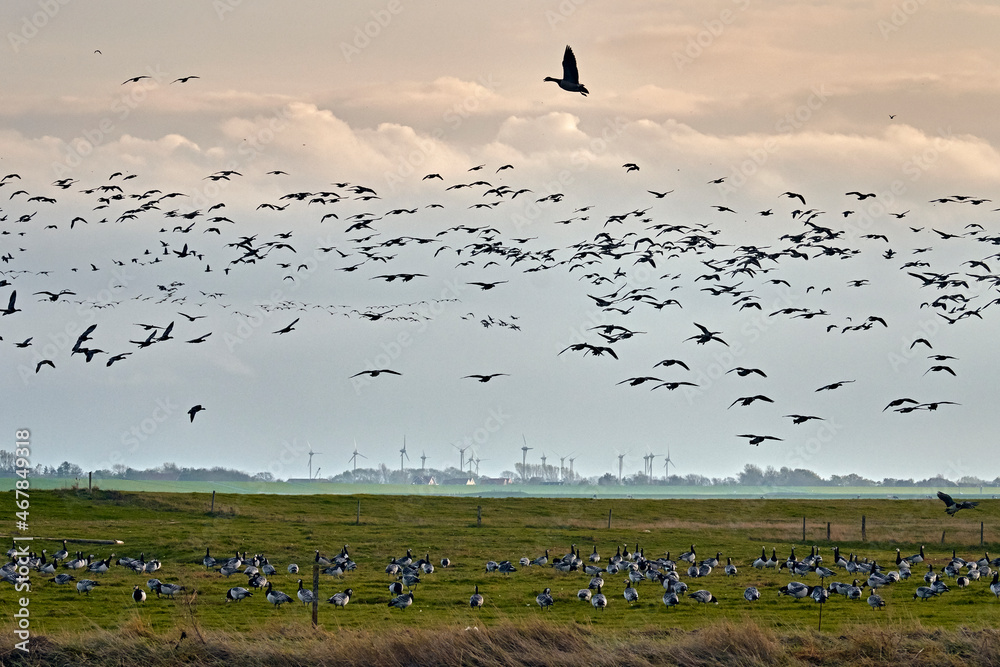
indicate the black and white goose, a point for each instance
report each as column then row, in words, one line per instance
column 761, row 562
column 630, row 593
column 85, row 585
column 751, row 594
column 544, row 599
column 594, row 557
column 599, row 600
column 402, row 601
column 951, row 507
column 794, row 589
column 584, row 594
column 703, row 597
column 305, row 595
column 208, row 561
column 138, row 594
column 168, row 589
column 730, row 568
column 995, row 585
column 671, row 599
column 341, row 599
column 570, row 80
column 876, row 602
column 924, row 592
column 237, row 593
column 277, row 598
column 476, row 601
column 62, row 553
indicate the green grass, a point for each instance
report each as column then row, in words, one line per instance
column 176, row 528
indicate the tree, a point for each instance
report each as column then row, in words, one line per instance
column 752, row 475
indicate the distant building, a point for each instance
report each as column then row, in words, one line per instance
column 459, row 481
column 495, row 481
column 427, row 480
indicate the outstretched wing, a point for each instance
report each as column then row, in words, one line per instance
column 570, row 72
column 945, row 498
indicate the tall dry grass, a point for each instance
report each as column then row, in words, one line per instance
column 534, row 644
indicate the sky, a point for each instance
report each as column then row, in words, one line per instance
column 723, row 104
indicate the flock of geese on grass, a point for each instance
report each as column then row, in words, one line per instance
column 631, row 568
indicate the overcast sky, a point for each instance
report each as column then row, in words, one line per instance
column 814, row 98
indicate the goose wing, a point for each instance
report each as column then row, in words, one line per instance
column 570, row 73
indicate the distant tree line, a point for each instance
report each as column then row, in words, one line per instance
column 751, row 475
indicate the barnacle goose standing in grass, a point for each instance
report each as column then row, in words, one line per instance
column 631, row 594
column 304, row 594
column 751, row 594
column 544, row 599
column 541, row 560
column 77, row 563
column 876, row 602
column 794, row 589
column 670, row 599
column 445, row 562
column 730, row 568
column 85, row 585
column 584, row 594
column 293, row 568
column 761, row 562
column 168, row 589
column 63, row 578
column 237, row 593
column 62, row 553
column 208, row 561
column 402, row 601
column 995, row 584
column 138, row 594
column 688, row 556
column 341, row 599
column 594, row 557
column 924, row 592
column 703, row 596
column 476, row 601
column 599, row 600
column 277, row 598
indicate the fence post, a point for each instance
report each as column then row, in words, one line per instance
column 211, row 510
column 479, row 515
column 315, row 609
column 981, row 533
column 609, row 519
column 942, row 536
column 827, row 531
column 357, row 521
column 864, row 536
column 90, row 482
column 803, row 529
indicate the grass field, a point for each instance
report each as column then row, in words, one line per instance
column 177, row 528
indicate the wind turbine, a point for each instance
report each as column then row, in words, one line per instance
column 651, row 457
column 403, row 453
column 545, row 472
column 524, row 458
column 311, row 453
column 477, row 460
column 461, row 455
column 571, row 459
column 621, row 457
column 667, row 463
column 354, row 459
column 423, row 458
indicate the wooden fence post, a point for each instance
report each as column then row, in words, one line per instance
column 90, row 482
column 211, row 510
column 609, row 519
column 315, row 609
column 981, row 524
column 357, row 521
column 827, row 531
column 803, row 529
column 479, row 515
column 942, row 536
column 864, row 535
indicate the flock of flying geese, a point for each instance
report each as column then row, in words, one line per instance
column 189, row 242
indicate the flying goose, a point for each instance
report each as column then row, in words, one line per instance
column 570, row 80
